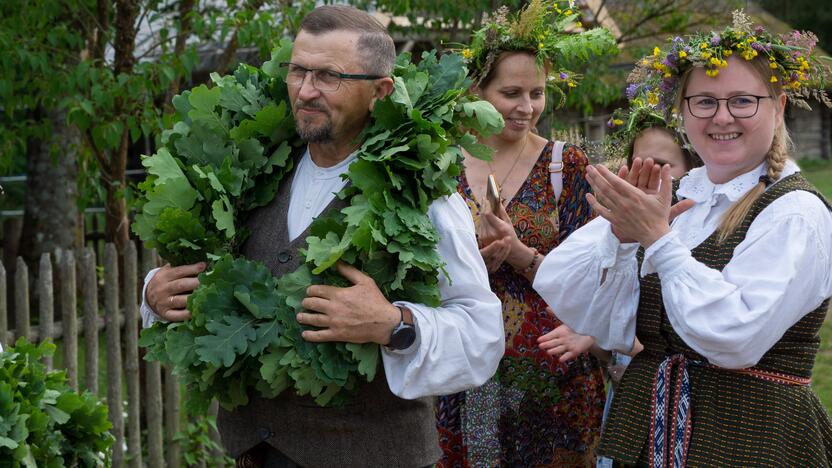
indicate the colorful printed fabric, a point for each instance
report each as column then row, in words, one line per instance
column 535, row 411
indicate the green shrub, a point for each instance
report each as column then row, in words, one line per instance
column 44, row 422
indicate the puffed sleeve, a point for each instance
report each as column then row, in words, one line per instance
column 459, row 344
column 591, row 280
column 778, row 274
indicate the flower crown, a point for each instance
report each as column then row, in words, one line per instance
column 627, row 124
column 540, row 29
column 656, row 77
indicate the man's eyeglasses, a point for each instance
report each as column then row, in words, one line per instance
column 742, row 106
column 325, row 81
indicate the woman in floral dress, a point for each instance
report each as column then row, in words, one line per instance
column 536, row 410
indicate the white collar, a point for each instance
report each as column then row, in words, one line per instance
column 699, row 188
column 327, row 172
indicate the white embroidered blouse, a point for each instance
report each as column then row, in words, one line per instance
column 778, row 274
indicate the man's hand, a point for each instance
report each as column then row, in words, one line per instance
column 168, row 290
column 357, row 314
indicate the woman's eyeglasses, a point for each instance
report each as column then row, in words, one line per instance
column 742, row 106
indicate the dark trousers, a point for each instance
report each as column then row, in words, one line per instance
column 265, row 456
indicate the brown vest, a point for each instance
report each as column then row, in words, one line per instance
column 738, row 420
column 376, row 428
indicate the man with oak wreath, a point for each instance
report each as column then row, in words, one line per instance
column 341, row 64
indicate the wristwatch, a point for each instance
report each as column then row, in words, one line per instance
column 404, row 334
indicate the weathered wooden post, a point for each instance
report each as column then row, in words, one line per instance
column 89, row 284
column 111, row 316
column 153, row 389
column 4, row 309
column 46, row 303
column 173, row 452
column 131, row 357
column 21, row 299
column 69, row 317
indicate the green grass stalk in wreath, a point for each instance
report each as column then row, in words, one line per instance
column 549, row 30
column 626, row 125
column 243, row 334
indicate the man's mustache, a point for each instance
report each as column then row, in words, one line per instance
column 310, row 105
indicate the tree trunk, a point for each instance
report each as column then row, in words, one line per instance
column 50, row 218
column 186, row 7
column 112, row 171
column 115, row 207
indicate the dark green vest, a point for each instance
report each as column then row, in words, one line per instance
column 738, row 420
column 376, row 428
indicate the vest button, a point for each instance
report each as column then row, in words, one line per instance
column 264, row 433
column 283, row 257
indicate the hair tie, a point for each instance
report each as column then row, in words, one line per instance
column 765, row 179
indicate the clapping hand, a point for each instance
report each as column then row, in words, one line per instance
column 636, row 202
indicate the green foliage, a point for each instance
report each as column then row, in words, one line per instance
column 43, row 422
column 819, row 173
column 224, row 156
column 542, row 29
column 198, row 446
column 59, row 60
column 803, row 15
column 441, row 14
column 243, row 334
column 40, row 40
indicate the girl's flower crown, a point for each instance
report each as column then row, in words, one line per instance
column 656, row 77
column 540, row 29
column 627, row 124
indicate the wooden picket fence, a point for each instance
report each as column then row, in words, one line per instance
column 77, row 286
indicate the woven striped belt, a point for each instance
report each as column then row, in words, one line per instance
column 670, row 424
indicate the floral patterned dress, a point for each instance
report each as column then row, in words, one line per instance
column 535, row 411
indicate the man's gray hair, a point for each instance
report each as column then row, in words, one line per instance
column 376, row 49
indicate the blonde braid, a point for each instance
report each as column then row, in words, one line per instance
column 778, row 154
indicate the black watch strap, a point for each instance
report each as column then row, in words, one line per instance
column 404, row 334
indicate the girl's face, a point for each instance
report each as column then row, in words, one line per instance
column 662, row 147
column 518, row 92
column 731, row 146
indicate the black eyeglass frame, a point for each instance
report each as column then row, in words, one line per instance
column 727, row 105
column 341, row 76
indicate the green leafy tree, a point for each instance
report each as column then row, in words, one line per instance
column 107, row 71
column 34, row 135
column 637, row 26
column 804, row 15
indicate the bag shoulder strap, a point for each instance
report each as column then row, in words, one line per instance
column 556, row 169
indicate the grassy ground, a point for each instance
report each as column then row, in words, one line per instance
column 820, row 174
